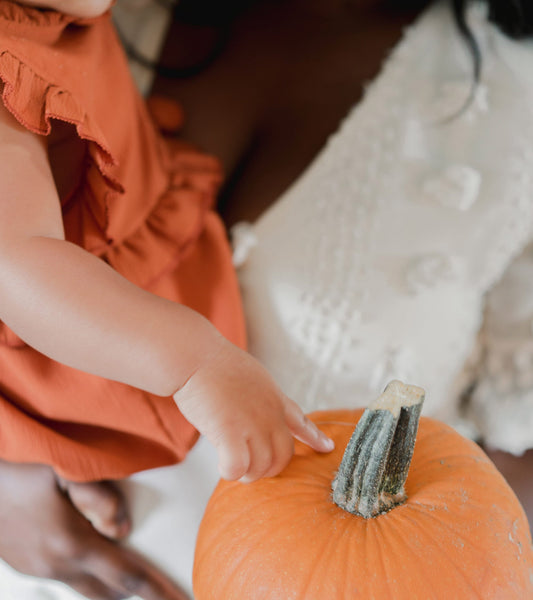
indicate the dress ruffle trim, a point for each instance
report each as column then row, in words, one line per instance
column 175, row 223
column 34, row 102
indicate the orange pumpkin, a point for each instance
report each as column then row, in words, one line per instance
column 455, row 530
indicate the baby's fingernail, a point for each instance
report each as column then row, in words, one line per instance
column 323, row 439
column 329, row 444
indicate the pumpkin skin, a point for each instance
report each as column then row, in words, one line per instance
column 461, row 534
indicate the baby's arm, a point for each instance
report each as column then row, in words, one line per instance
column 72, row 306
column 76, row 309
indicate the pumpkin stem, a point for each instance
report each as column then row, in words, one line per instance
column 372, row 474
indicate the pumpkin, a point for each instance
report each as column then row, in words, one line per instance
column 452, row 529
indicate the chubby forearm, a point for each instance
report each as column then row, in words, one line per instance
column 74, row 308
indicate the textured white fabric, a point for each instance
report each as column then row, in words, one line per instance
column 375, row 264
column 502, row 403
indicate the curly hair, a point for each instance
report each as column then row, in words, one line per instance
column 513, row 17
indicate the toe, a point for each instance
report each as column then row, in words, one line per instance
column 102, row 503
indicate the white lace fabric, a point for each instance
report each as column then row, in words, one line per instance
column 377, row 262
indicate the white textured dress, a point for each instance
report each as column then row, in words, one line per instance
column 380, row 262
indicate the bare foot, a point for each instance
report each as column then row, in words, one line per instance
column 44, row 535
column 101, row 503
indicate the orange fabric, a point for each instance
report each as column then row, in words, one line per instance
column 167, row 114
column 142, row 204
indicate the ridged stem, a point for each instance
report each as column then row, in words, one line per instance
column 373, row 471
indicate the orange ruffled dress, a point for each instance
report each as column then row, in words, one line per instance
column 141, row 204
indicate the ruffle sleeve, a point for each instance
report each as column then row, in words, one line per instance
column 35, row 101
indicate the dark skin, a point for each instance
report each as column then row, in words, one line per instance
column 289, row 74
column 36, row 514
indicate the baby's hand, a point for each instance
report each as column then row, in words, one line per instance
column 234, row 402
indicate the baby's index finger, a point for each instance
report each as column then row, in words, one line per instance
column 307, row 432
